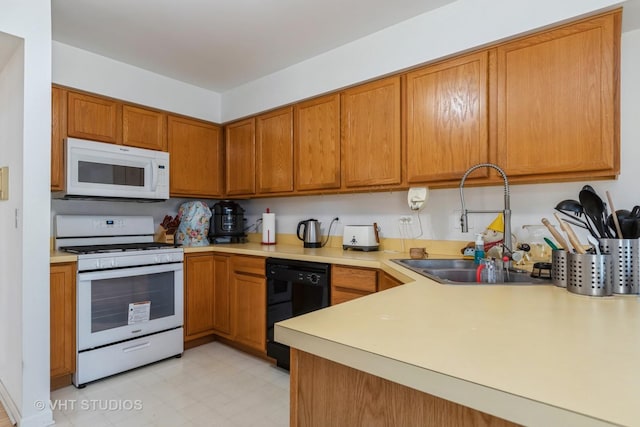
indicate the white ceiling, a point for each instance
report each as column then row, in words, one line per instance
column 221, row 44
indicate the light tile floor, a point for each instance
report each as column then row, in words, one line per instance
column 211, row 385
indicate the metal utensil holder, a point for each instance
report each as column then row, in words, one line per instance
column 625, row 257
column 559, row 267
column 589, row 274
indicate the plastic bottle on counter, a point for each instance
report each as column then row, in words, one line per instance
column 479, row 249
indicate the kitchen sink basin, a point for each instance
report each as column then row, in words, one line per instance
column 461, row 272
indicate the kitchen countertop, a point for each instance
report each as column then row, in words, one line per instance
column 535, row 355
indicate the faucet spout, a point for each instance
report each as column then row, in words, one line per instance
column 506, row 212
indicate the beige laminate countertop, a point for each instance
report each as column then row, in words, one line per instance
column 535, row 355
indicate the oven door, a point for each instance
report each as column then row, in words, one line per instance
column 120, row 304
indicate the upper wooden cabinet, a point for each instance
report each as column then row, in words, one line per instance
column 144, row 128
column 58, row 113
column 557, row 101
column 447, row 119
column 196, row 158
column 92, row 117
column 240, row 146
column 316, row 139
column 274, row 151
column 371, row 137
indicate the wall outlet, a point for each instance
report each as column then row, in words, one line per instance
column 406, row 219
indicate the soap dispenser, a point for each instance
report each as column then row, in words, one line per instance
column 478, row 255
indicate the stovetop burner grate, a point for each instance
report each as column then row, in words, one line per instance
column 119, row 247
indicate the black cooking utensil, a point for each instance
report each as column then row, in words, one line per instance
column 595, row 211
column 573, row 209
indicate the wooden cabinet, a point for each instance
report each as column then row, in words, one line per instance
column 144, row 128
column 557, row 101
column 207, row 295
column 348, row 283
column 58, row 114
column 447, row 119
column 92, row 117
column 196, row 158
column 386, row 281
column 371, row 137
column 249, row 299
column 317, row 144
column 240, row 147
column 274, row 151
column 62, row 313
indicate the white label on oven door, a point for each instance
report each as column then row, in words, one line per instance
column 139, row 312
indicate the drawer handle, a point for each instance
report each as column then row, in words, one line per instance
column 136, row 347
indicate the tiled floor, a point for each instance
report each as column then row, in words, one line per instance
column 211, row 385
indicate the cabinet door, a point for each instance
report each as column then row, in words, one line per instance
column 199, row 295
column 371, row 134
column 274, row 151
column 94, row 118
column 317, row 144
column 57, row 138
column 447, row 119
column 221, row 295
column 250, row 311
column 557, row 106
column 144, row 128
column 63, row 319
column 348, row 283
column 196, row 158
column 387, row 282
column 240, row 158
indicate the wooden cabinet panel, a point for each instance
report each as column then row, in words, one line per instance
column 144, row 128
column 63, row 320
column 326, row 393
column 557, row 100
column 94, row 118
column 249, row 301
column 199, row 295
column 447, row 119
column 274, row 151
column 387, row 282
column 348, row 283
column 317, row 143
column 371, row 138
column 196, row 158
column 207, row 301
column 240, row 158
column 58, row 114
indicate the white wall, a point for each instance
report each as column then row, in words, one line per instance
column 453, row 28
column 25, row 141
column 84, row 70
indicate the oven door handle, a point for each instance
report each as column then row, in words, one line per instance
column 129, row 271
column 136, row 347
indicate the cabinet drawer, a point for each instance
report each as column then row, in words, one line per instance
column 339, row 295
column 248, row 265
column 354, row 278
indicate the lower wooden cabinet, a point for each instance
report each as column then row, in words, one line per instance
column 225, row 295
column 206, row 295
column 386, row 281
column 249, row 313
column 62, row 323
column 348, row 283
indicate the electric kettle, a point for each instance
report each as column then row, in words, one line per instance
column 309, row 232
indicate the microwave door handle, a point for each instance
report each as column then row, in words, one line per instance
column 154, row 174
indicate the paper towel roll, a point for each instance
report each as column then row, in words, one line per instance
column 268, row 229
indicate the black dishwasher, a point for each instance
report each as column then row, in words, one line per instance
column 293, row 288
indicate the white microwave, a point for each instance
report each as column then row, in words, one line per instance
column 96, row 169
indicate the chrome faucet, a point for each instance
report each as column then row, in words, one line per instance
column 506, row 212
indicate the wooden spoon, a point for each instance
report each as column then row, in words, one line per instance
column 575, row 242
column 556, row 235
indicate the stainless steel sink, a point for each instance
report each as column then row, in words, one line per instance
column 461, row 272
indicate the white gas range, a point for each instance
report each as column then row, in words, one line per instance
column 129, row 293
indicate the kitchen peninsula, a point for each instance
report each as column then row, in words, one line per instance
column 533, row 355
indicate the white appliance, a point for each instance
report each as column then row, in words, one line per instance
column 129, row 293
column 96, row 169
column 361, row 237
